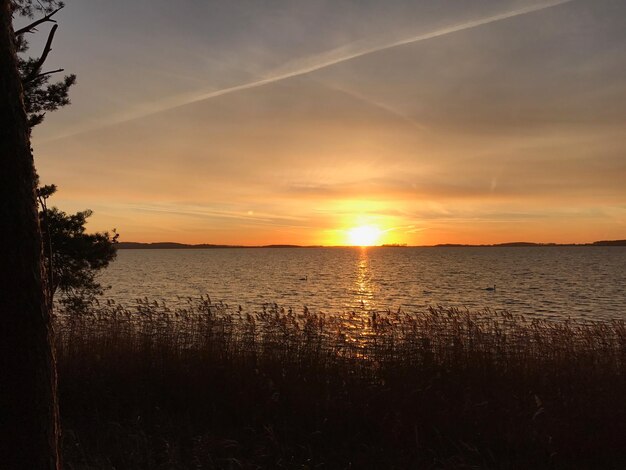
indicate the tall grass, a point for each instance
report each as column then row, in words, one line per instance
column 207, row 386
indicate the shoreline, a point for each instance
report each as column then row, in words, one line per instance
column 207, row 246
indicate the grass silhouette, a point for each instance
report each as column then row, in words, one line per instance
column 207, row 386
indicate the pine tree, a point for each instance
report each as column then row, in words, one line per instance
column 29, row 423
column 39, row 94
column 73, row 257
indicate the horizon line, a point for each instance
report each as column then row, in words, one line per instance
column 620, row 242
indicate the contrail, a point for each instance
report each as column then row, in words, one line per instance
column 388, row 109
column 326, row 59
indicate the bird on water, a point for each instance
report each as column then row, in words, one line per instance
column 491, row 289
column 305, row 278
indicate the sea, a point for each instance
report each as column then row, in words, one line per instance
column 579, row 282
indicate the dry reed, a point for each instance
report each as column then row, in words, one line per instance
column 208, row 386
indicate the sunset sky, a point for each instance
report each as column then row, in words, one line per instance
column 299, row 121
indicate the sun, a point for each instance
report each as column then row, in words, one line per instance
column 365, row 235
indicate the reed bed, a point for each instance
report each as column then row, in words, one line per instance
column 209, row 386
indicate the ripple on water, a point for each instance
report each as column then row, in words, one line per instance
column 565, row 281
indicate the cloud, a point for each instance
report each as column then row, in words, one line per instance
column 312, row 64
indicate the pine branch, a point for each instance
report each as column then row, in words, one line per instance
column 46, row 73
column 37, row 67
column 34, row 24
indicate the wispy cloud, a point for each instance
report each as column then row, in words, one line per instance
column 382, row 106
column 247, row 216
column 312, row 64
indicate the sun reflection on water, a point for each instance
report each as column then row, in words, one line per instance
column 363, row 282
column 357, row 324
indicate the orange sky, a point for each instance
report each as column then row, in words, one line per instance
column 295, row 122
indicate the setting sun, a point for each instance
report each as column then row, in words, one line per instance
column 364, row 236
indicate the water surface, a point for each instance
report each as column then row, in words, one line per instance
column 577, row 282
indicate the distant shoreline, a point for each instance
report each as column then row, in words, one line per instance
column 201, row 246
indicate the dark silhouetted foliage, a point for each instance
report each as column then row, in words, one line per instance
column 40, row 95
column 29, row 8
column 73, row 256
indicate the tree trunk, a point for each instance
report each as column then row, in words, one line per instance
column 28, row 407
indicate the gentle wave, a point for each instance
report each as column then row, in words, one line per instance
column 577, row 282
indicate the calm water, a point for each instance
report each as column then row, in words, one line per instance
column 548, row 281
